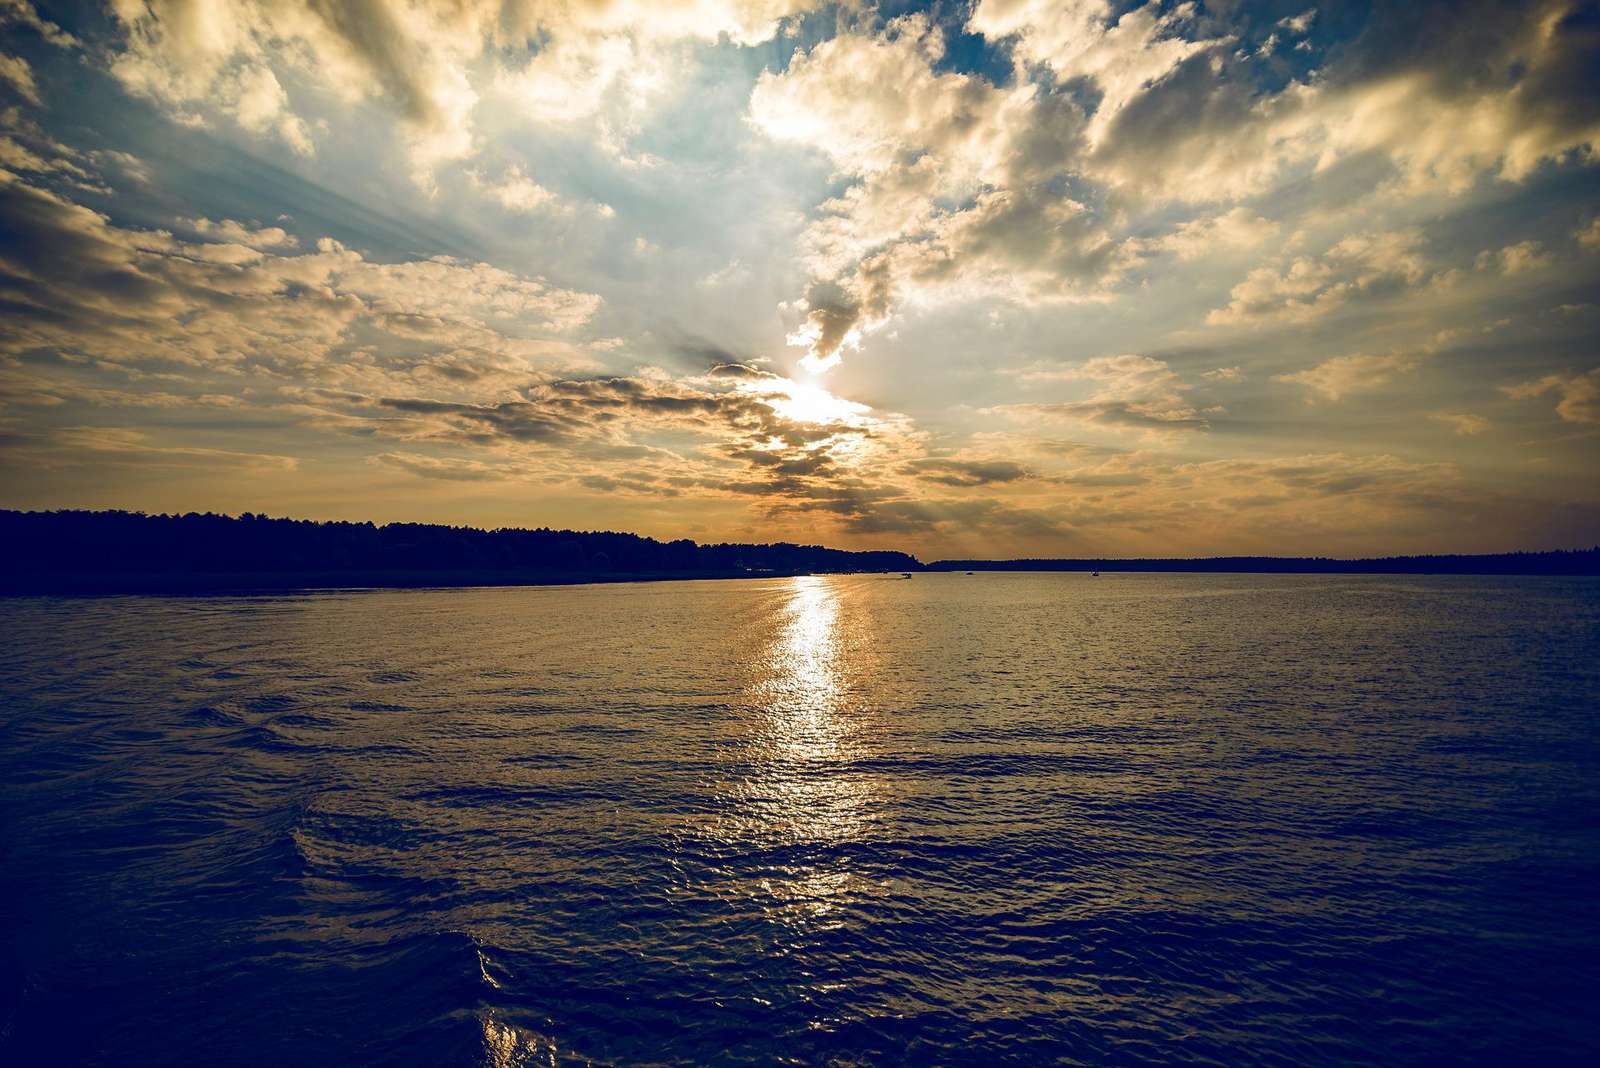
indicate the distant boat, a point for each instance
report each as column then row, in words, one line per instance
column 906, row 575
column 1095, row 575
column 969, row 572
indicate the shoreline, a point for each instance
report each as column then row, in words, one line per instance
column 244, row 584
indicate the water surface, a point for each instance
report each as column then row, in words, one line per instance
column 1201, row 819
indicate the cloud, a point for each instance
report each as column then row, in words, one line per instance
column 19, row 157
column 230, row 231
column 755, row 440
column 1463, row 423
column 225, row 58
column 15, row 72
column 428, row 64
column 1131, row 392
column 1336, row 378
column 124, row 447
column 434, row 354
column 243, row 300
column 1149, row 502
column 735, row 369
column 448, row 469
column 514, row 191
column 1113, row 414
column 1515, row 259
column 728, row 434
column 1203, row 238
column 960, row 186
column 948, row 200
column 1372, row 265
column 956, row 472
column 1122, row 55
column 1579, row 394
column 25, row 147
column 1204, row 132
column 1300, row 23
column 1341, row 376
column 1588, row 237
column 23, row 13
column 833, row 320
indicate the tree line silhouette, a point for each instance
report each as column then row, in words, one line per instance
column 94, row 551
column 77, row 548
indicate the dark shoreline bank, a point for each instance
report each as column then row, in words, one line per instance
column 109, row 553
column 265, row 585
column 248, row 584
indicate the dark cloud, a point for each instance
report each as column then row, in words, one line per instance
column 832, row 313
column 370, row 32
column 1132, row 414
column 966, row 472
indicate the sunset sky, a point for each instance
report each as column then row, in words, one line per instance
column 1003, row 278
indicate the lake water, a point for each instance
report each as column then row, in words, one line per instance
column 1203, row 819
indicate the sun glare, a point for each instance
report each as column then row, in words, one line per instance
column 807, row 402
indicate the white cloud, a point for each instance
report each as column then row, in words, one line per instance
column 231, row 231
column 874, row 103
column 514, row 190
column 429, row 63
column 1123, row 55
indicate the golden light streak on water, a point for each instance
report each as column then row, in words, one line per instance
column 808, row 793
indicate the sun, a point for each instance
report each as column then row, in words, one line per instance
column 806, row 402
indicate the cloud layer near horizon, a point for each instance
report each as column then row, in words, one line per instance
column 1004, row 278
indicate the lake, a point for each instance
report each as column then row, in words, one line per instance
column 1174, row 819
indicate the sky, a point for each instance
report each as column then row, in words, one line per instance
column 998, row 278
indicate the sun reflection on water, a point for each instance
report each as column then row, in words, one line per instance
column 804, row 790
column 803, row 691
